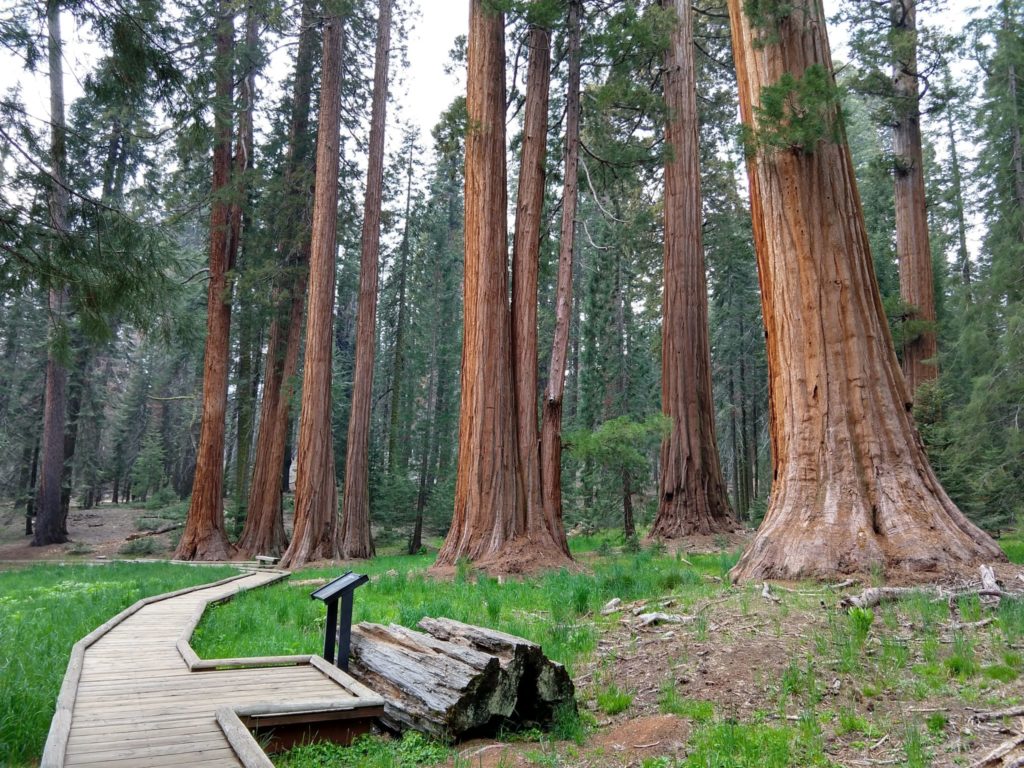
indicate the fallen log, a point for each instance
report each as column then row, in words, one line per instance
column 455, row 680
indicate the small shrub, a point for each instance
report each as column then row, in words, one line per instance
column 936, row 723
column 612, row 700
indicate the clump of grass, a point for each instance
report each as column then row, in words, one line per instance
column 961, row 663
column 894, row 657
column 1011, row 618
column 571, row 725
column 861, row 620
column 612, row 700
column 411, row 751
column 734, row 745
column 848, row 721
column 914, row 749
column 671, row 703
column 969, row 607
column 1000, row 672
column 937, row 722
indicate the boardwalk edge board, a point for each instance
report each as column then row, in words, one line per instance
column 228, row 718
column 60, row 727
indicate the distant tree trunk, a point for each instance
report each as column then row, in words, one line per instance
column 356, row 537
column 551, row 428
column 51, row 527
column 204, row 537
column 27, row 495
column 264, row 524
column 963, row 255
column 853, row 488
column 628, row 525
column 488, row 526
column 398, row 362
column 316, row 495
column 77, row 386
column 693, row 494
column 917, row 287
column 525, row 266
column 1014, row 113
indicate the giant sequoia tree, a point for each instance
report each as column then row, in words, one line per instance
column 356, row 539
column 693, row 497
column 316, row 495
column 204, row 537
column 489, row 526
column 853, row 488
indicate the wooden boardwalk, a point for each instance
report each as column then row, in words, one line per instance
column 135, row 694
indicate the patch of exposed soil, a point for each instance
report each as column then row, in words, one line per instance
column 100, row 532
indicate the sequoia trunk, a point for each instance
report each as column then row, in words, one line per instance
column 316, row 495
column 204, row 537
column 264, row 526
column 853, row 489
column 693, row 494
column 551, row 426
column 356, row 538
column 525, row 264
column 912, row 243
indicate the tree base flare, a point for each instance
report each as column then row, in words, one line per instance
column 908, row 546
column 521, row 556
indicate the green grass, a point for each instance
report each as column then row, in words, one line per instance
column 44, row 610
column 732, row 745
column 1013, row 546
column 612, row 700
column 410, row 751
column 556, row 610
column 671, row 703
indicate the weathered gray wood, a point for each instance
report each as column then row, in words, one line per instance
column 456, row 679
column 541, row 685
column 241, row 740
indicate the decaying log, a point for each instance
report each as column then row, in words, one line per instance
column 983, row 717
column 454, row 680
column 650, row 619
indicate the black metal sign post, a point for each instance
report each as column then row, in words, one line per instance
column 338, row 634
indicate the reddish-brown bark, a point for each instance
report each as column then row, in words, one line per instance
column 204, row 537
column 551, row 420
column 356, row 537
column 264, row 524
column 538, row 525
column 913, row 249
column 693, row 496
column 316, row 495
column 488, row 526
column 853, row 489
column 50, row 515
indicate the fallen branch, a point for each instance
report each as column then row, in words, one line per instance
column 1002, row 756
column 984, row 717
column 156, row 531
column 650, row 619
column 874, row 596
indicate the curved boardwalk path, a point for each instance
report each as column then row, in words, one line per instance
column 135, row 694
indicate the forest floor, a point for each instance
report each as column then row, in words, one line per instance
column 782, row 681
column 102, row 532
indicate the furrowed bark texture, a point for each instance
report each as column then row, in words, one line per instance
column 50, row 517
column 489, row 497
column 551, row 420
column 204, row 537
column 356, row 538
column 316, row 495
column 917, row 288
column 540, row 528
column 264, row 524
column 853, row 488
column 693, row 495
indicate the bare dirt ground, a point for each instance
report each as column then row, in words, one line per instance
column 98, row 533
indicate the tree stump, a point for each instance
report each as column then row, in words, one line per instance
column 455, row 680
